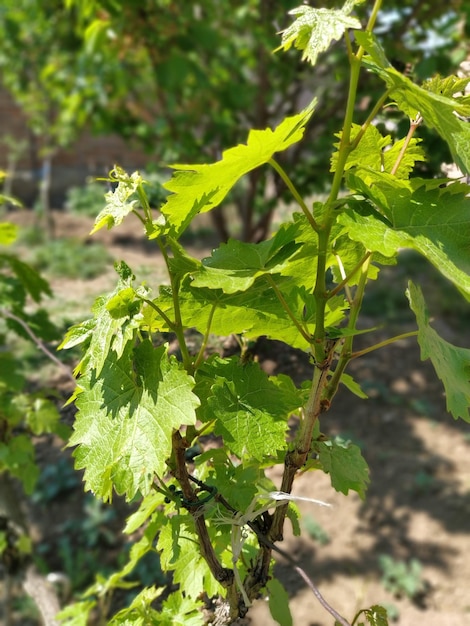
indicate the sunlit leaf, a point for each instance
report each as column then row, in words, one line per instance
column 126, row 418
column 314, row 30
column 118, row 202
column 428, row 216
column 200, row 188
column 279, row 603
column 433, row 101
column 346, row 466
column 452, row 364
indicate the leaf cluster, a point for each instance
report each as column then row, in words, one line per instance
column 143, row 409
column 22, row 414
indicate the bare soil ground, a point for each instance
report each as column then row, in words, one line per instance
column 418, row 503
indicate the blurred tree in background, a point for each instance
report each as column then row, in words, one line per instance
column 38, row 67
column 186, row 80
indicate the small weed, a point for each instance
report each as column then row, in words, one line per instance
column 424, row 482
column 401, row 578
column 71, row 258
column 316, row 531
column 87, row 200
column 393, row 612
column 93, row 526
column 55, row 480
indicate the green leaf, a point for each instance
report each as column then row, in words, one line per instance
column 118, row 203
column 417, row 214
column 253, row 313
column 200, row 188
column 250, row 408
column 113, row 326
column 17, row 458
column 179, row 552
column 139, row 612
column 8, row 233
column 438, row 108
column 452, row 364
column 378, row 153
column 42, row 416
column 314, row 30
column 10, row 374
column 145, row 511
column 346, row 466
column 126, row 417
column 376, row 616
column 237, row 481
column 77, row 334
column 77, row 614
column 279, row 603
column 30, row 280
column 354, row 387
column 179, row 610
column 234, row 266
column 138, row 550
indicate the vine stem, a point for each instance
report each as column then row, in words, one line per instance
column 297, row 457
column 222, row 574
column 145, row 204
column 253, row 525
column 346, row 351
column 323, row 348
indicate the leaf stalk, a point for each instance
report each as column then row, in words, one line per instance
column 296, row 195
column 383, row 344
column 287, row 309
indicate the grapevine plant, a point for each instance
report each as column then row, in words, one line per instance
column 144, row 412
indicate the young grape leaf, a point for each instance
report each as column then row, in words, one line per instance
column 140, row 611
column 112, row 327
column 279, row 603
column 179, row 552
column 179, row 610
column 138, row 550
column 239, row 482
column 353, row 386
column 377, row 152
column 418, row 214
column 250, row 408
column 376, row 616
column 234, row 266
column 314, row 30
column 118, row 202
column 200, row 188
column 31, row 282
column 77, row 613
column 346, row 466
column 147, row 507
column 126, row 417
column 438, row 110
column 452, row 364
